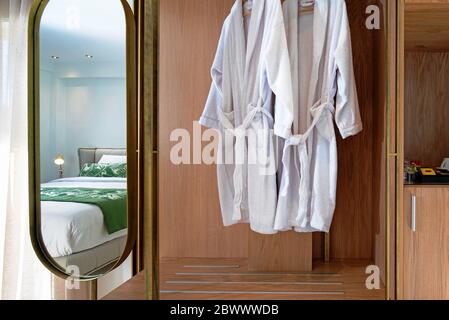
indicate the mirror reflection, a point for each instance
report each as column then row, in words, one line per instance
column 83, row 134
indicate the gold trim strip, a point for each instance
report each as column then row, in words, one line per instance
column 305, row 293
column 387, row 160
column 400, row 41
column 324, row 283
column 149, row 34
column 94, row 289
column 305, row 274
column 211, row 266
column 327, row 246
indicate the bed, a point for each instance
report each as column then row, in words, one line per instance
column 79, row 234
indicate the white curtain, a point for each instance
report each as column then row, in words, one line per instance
column 22, row 276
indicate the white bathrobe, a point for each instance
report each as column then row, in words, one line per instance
column 250, row 67
column 324, row 89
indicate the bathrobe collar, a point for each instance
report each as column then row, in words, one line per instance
column 320, row 23
column 245, row 48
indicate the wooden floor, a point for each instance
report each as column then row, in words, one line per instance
column 229, row 279
column 213, row 279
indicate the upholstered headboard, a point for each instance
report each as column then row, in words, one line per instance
column 93, row 155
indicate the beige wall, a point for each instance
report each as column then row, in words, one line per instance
column 4, row 8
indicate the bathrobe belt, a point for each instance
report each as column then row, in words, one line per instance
column 300, row 141
column 240, row 148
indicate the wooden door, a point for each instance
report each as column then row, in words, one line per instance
column 425, row 251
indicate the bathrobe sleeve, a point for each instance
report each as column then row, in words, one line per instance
column 347, row 113
column 277, row 64
column 209, row 117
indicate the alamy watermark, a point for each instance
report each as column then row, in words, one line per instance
column 373, row 21
column 256, row 147
column 373, row 280
column 72, row 282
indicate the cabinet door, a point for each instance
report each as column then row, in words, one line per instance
column 426, row 246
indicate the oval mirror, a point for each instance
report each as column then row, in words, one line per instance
column 83, row 143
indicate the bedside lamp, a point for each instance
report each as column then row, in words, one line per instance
column 59, row 161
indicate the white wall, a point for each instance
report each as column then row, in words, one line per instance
column 80, row 107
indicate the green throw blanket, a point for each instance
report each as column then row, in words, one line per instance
column 112, row 202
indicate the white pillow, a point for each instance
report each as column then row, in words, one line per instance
column 109, row 159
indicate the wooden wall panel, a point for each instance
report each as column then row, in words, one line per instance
column 427, row 25
column 190, row 219
column 426, row 107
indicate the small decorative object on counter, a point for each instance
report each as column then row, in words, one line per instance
column 433, row 175
column 428, row 172
column 411, row 169
column 445, row 164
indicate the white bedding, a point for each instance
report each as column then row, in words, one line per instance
column 69, row 227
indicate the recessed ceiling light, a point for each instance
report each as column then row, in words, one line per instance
column 55, row 57
column 88, row 56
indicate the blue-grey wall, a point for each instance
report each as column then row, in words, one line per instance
column 80, row 108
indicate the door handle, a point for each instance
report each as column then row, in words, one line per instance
column 413, row 222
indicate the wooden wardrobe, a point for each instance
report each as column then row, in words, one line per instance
column 192, row 239
column 423, row 214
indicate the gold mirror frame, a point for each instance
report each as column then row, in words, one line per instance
column 34, row 137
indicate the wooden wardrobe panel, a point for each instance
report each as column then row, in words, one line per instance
column 426, row 107
column 352, row 232
column 424, row 252
column 189, row 212
column 393, row 145
column 379, row 145
column 427, row 25
column 317, row 245
column 283, row 252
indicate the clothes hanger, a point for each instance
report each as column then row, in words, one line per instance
column 247, row 7
column 306, row 6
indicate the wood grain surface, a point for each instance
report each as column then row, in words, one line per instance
column 426, row 252
column 426, row 107
column 189, row 211
column 283, row 252
column 427, row 25
column 224, row 279
column 352, row 228
column 190, row 220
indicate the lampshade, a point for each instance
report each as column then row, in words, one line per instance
column 59, row 161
